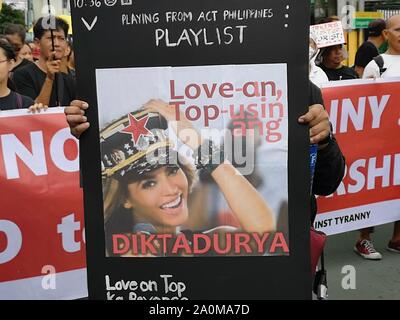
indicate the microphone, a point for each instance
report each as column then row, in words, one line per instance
column 146, row 228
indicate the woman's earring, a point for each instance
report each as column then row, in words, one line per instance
column 128, row 204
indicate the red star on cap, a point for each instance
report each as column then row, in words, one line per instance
column 137, row 128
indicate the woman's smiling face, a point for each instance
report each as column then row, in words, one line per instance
column 160, row 198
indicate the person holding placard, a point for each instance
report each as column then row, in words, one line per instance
column 316, row 75
column 328, row 172
column 331, row 59
column 44, row 80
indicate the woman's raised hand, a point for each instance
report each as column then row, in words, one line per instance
column 182, row 126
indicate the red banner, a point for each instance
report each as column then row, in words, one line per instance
column 42, row 247
column 365, row 116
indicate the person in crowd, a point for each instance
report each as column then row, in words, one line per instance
column 70, row 55
column 43, row 81
column 24, row 57
column 15, row 34
column 26, row 52
column 68, row 61
column 316, row 74
column 330, row 166
column 390, row 67
column 390, row 60
column 9, row 99
column 369, row 49
column 330, row 60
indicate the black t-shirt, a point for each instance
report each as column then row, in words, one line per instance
column 29, row 81
column 23, row 63
column 15, row 101
column 314, row 95
column 343, row 73
column 365, row 53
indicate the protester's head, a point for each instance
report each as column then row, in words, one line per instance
column 7, row 59
column 376, row 27
column 392, row 34
column 43, row 36
column 139, row 178
column 70, row 55
column 329, row 19
column 4, row 38
column 15, row 34
column 333, row 56
column 25, row 53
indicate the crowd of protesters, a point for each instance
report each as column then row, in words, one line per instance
column 37, row 74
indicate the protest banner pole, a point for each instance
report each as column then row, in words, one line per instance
column 53, row 48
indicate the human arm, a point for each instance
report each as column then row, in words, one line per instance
column 53, row 67
column 359, row 70
column 45, row 93
column 250, row 209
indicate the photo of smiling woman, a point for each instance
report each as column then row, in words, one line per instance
column 147, row 185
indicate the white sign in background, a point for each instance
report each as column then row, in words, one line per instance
column 328, row 34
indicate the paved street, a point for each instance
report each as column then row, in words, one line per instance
column 374, row 279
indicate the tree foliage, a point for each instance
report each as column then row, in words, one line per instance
column 9, row 15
